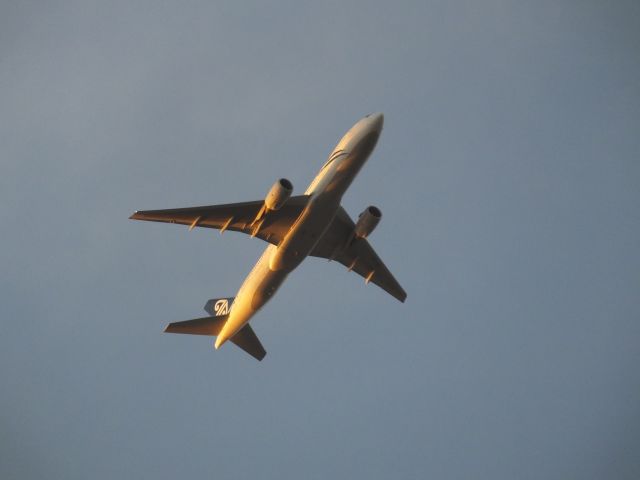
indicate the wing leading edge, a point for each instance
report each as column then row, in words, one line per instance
column 238, row 217
column 357, row 255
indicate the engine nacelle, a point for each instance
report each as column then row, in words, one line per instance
column 278, row 195
column 367, row 222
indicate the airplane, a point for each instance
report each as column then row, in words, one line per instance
column 313, row 224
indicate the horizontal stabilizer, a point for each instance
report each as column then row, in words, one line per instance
column 246, row 338
column 248, row 341
column 198, row 326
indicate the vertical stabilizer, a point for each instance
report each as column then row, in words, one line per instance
column 219, row 306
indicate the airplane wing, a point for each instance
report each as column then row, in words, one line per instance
column 358, row 255
column 239, row 217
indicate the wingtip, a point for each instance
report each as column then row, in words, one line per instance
column 133, row 215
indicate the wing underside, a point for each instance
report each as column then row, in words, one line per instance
column 242, row 217
column 356, row 254
column 337, row 243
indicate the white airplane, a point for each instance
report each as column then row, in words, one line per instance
column 295, row 227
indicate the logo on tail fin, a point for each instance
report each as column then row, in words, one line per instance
column 221, row 307
column 218, row 307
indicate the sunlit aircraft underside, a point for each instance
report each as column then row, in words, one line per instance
column 313, row 224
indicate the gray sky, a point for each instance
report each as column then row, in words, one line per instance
column 508, row 176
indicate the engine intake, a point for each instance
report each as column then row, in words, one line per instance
column 278, row 195
column 367, row 222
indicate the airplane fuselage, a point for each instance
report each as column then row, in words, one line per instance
column 325, row 194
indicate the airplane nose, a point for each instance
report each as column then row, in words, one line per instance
column 377, row 121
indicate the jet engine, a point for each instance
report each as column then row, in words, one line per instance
column 278, row 195
column 367, row 222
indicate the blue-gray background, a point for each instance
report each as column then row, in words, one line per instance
column 508, row 173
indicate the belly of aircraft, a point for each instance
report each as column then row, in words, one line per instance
column 304, row 234
column 277, row 262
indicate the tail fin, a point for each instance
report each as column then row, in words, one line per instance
column 246, row 338
column 219, row 306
